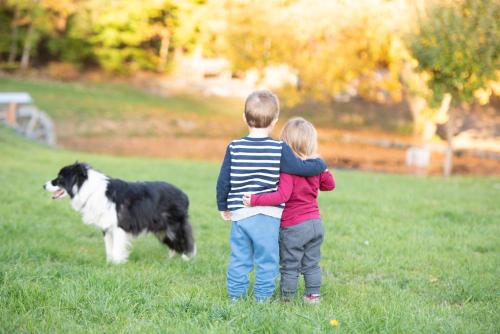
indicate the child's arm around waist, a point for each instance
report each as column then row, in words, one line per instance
column 326, row 181
column 291, row 164
column 281, row 195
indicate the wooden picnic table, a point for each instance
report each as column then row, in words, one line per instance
column 13, row 99
column 26, row 118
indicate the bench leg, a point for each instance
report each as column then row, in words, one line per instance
column 11, row 114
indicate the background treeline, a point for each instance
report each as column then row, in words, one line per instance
column 369, row 46
column 437, row 55
column 119, row 36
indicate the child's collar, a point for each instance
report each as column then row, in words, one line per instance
column 259, row 133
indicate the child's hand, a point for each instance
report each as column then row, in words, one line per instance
column 226, row 215
column 246, row 199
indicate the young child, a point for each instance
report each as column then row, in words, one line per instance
column 301, row 232
column 252, row 165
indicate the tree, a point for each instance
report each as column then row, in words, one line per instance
column 456, row 46
column 30, row 21
column 254, row 37
column 119, row 36
column 333, row 45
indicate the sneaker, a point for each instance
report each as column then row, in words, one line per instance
column 312, row 298
column 234, row 300
column 285, row 299
column 263, row 300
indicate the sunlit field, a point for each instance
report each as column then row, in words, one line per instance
column 402, row 255
column 90, row 100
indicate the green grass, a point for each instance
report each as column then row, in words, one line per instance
column 402, row 254
column 70, row 100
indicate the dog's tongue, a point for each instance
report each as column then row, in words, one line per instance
column 58, row 194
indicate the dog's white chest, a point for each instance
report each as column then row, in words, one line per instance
column 101, row 214
column 95, row 208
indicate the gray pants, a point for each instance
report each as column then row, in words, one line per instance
column 300, row 253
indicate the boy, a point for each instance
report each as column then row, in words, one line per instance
column 252, row 165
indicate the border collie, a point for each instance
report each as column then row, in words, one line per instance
column 125, row 209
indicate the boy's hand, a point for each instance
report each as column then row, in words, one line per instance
column 226, row 215
column 247, row 199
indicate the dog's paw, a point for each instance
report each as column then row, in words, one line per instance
column 190, row 255
column 171, row 254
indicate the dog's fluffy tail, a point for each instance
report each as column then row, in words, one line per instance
column 190, row 246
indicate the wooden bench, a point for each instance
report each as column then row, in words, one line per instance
column 18, row 112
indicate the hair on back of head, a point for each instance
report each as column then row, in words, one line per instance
column 301, row 136
column 261, row 109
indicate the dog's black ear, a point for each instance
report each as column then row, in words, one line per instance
column 81, row 175
column 82, row 170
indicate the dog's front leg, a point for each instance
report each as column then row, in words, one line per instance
column 119, row 249
column 108, row 244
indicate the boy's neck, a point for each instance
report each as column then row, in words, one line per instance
column 259, row 132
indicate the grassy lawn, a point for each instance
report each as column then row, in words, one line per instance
column 402, row 254
column 70, row 100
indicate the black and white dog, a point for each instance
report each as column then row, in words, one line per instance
column 125, row 209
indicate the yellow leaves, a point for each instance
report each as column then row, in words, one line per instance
column 495, row 84
column 429, row 41
column 412, row 62
column 482, row 95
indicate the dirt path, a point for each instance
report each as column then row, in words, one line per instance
column 333, row 148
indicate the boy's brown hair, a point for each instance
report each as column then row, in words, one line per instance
column 261, row 109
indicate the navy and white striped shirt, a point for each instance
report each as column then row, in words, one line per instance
column 255, row 168
column 252, row 165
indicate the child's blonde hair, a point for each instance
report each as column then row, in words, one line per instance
column 301, row 136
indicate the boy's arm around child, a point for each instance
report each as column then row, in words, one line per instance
column 292, row 164
column 224, row 186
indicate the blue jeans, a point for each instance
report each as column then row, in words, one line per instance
column 254, row 240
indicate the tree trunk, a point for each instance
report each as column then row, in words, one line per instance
column 448, row 156
column 165, row 44
column 417, row 105
column 13, row 39
column 25, row 58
